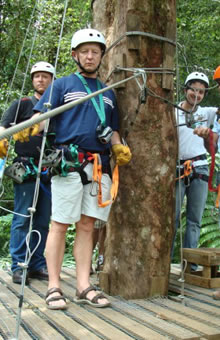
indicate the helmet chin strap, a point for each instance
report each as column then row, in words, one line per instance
column 84, row 70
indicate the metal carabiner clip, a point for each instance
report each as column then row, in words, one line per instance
column 92, row 193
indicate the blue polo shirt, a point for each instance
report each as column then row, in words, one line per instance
column 78, row 125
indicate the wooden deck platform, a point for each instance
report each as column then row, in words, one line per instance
column 151, row 319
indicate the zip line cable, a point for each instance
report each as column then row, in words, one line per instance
column 144, row 34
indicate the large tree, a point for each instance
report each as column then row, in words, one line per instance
column 141, row 223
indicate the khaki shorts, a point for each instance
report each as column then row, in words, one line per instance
column 71, row 199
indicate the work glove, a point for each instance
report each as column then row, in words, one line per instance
column 3, row 147
column 23, row 136
column 122, row 154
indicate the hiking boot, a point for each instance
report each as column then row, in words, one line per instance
column 17, row 277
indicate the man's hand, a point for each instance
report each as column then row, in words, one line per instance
column 202, row 131
column 23, row 136
column 3, row 147
column 122, row 154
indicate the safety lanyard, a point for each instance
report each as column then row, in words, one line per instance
column 100, row 110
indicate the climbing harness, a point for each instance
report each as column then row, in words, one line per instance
column 185, row 172
column 65, row 159
column 188, row 171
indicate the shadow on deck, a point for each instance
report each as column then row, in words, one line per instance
column 153, row 319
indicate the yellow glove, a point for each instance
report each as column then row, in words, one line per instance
column 3, row 147
column 122, row 154
column 23, row 136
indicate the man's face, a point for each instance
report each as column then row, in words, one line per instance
column 40, row 81
column 89, row 56
column 195, row 93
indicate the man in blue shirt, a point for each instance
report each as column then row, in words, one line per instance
column 86, row 129
column 27, row 158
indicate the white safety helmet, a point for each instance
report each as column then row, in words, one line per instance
column 43, row 66
column 88, row 35
column 197, row 76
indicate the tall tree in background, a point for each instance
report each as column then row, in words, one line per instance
column 141, row 223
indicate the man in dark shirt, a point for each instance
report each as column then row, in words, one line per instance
column 26, row 163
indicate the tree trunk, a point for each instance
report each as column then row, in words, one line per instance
column 140, row 228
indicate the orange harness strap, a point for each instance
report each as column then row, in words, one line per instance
column 218, row 197
column 187, row 169
column 97, row 177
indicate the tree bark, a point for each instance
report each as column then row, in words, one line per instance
column 140, row 228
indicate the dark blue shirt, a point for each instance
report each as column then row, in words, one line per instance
column 78, row 125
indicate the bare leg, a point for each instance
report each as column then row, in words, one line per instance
column 55, row 248
column 83, row 247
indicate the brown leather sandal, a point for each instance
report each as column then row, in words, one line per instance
column 49, row 299
column 82, row 298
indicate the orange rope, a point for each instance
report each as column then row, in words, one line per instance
column 97, row 177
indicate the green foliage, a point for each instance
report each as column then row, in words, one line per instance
column 16, row 17
column 210, row 230
column 5, row 233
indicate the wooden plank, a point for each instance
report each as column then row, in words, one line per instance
column 130, row 325
column 88, row 319
column 202, row 256
column 36, row 324
column 8, row 326
column 57, row 318
column 151, row 321
column 200, row 294
column 8, row 318
column 163, row 326
column 203, row 306
column 182, row 320
column 119, row 331
column 123, row 320
column 42, row 328
column 202, row 316
column 202, row 281
column 197, row 299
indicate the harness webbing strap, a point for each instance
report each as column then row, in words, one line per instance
column 97, row 177
column 187, row 166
